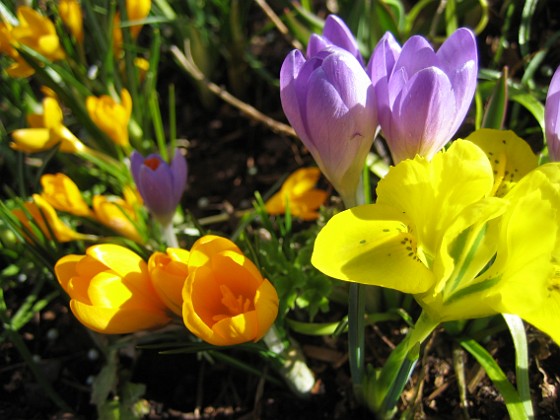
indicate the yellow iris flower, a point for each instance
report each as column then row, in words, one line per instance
column 471, row 233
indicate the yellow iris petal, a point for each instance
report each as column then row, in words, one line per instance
column 432, row 194
column 511, row 157
column 372, row 244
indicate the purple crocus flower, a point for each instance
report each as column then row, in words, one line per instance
column 329, row 101
column 423, row 96
column 552, row 117
column 161, row 185
column 335, row 32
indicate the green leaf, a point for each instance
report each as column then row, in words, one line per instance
column 511, row 397
column 497, row 105
column 519, row 336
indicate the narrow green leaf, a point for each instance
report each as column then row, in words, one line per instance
column 513, row 402
column 497, row 105
column 519, row 336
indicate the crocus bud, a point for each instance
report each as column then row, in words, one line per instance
column 110, row 116
column 63, row 194
column 423, row 96
column 168, row 272
column 44, row 216
column 46, row 131
column 298, row 193
column 226, row 299
column 118, row 215
column 110, row 290
column 329, row 101
column 71, row 14
column 552, row 117
column 335, row 32
column 161, row 185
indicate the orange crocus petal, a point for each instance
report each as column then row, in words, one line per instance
column 118, row 320
column 266, row 308
column 111, row 117
column 168, row 273
column 226, row 301
column 207, row 246
column 65, row 269
column 117, row 215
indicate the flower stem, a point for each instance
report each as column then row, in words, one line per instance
column 169, row 235
column 295, row 371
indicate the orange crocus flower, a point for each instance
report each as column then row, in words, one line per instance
column 110, row 290
column 226, row 300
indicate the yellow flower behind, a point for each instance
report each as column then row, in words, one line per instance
column 45, row 218
column 118, row 215
column 168, row 272
column 64, row 195
column 439, row 231
column 298, row 193
column 71, row 14
column 226, row 299
column 47, row 130
column 110, row 290
column 110, row 116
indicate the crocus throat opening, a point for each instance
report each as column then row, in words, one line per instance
column 233, row 305
column 152, row 163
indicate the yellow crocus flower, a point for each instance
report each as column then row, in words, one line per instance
column 467, row 233
column 64, row 195
column 299, row 193
column 71, row 14
column 37, row 32
column 47, row 130
column 168, row 272
column 118, row 215
column 110, row 290
column 45, row 218
column 136, row 10
column 110, row 116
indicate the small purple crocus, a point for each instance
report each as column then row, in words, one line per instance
column 329, row 101
column 552, row 117
column 335, row 32
column 423, row 96
column 161, row 185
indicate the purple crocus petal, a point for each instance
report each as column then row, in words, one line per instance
column 383, row 59
column 416, row 54
column 316, row 43
column 421, row 115
column 292, row 97
column 339, row 34
column 458, row 58
column 136, row 161
column 552, row 117
column 342, row 117
column 179, row 171
column 347, row 76
column 156, row 188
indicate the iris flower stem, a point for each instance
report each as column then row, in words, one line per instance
column 294, row 369
column 397, row 369
column 169, row 235
column 356, row 307
column 356, row 336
